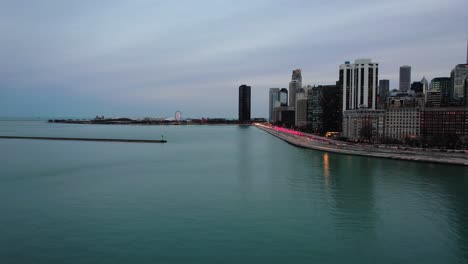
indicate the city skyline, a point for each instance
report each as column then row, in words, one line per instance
column 80, row 60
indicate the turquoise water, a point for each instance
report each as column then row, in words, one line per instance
column 219, row 194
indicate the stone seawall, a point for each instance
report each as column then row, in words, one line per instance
column 367, row 150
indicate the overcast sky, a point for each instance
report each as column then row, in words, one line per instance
column 151, row 58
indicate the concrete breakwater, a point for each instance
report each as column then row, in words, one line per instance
column 322, row 144
column 88, row 139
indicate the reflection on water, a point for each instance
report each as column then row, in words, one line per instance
column 244, row 157
column 353, row 192
column 326, row 169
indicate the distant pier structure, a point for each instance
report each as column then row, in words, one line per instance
column 89, row 139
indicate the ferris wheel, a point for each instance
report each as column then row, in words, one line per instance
column 178, row 116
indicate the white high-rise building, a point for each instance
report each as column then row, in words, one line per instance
column 359, row 81
column 425, row 87
column 466, row 52
column 425, row 84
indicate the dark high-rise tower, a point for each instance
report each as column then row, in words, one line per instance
column 384, row 87
column 244, row 103
column 405, row 78
column 444, row 86
column 383, row 92
column 466, row 91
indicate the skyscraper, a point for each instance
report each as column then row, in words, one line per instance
column 458, row 75
column 442, row 85
column 426, row 88
column 315, row 109
column 425, row 84
column 384, row 87
column 294, row 85
column 405, row 78
column 297, row 75
column 284, row 97
column 359, row 83
column 324, row 112
column 384, row 92
column 301, row 110
column 417, row 87
column 244, row 103
column 466, row 91
column 274, row 101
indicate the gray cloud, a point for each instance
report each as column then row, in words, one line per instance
column 155, row 57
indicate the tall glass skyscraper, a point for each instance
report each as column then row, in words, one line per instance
column 244, row 103
column 274, row 101
column 383, row 92
column 444, row 86
column 458, row 75
column 297, row 75
column 284, row 97
column 294, row 86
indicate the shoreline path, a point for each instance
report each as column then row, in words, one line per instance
column 309, row 141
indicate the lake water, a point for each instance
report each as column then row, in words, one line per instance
column 219, row 194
